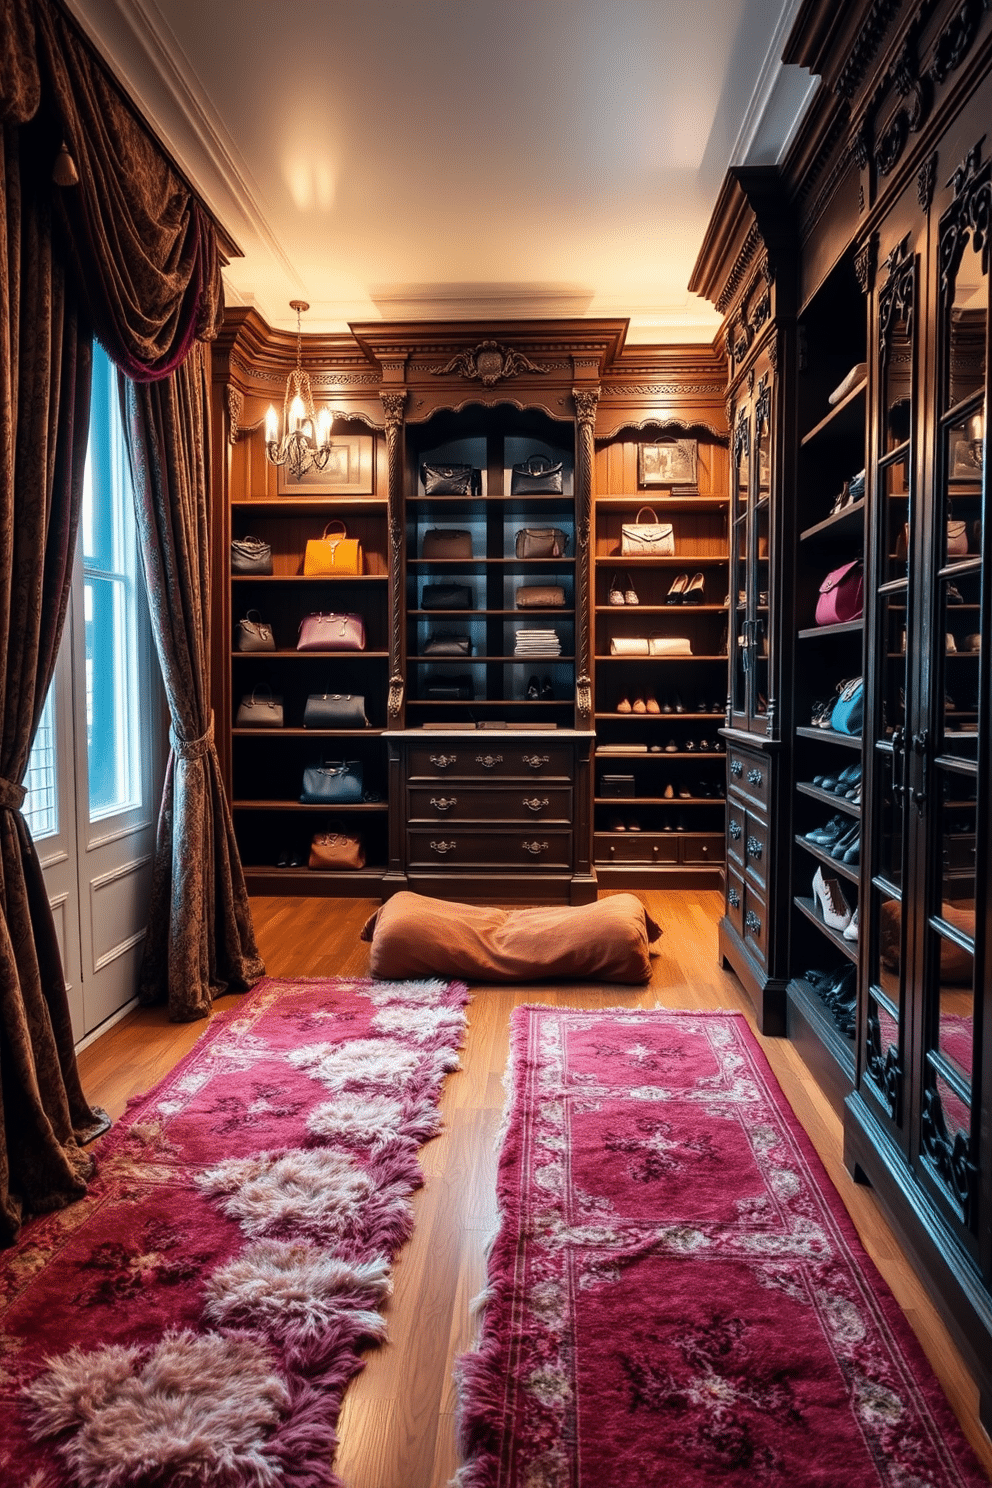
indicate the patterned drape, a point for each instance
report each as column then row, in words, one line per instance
column 200, row 939
column 45, row 360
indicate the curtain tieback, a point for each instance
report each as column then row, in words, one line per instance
column 193, row 749
column 12, row 797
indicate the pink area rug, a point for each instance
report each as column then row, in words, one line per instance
column 676, row 1295
column 194, row 1320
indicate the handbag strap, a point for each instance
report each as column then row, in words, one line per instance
column 253, row 617
column 337, row 522
column 263, row 687
column 651, row 512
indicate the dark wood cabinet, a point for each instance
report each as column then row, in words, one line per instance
column 862, row 265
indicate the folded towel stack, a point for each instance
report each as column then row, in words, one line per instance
column 531, row 642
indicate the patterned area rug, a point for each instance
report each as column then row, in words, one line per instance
column 196, row 1318
column 676, row 1294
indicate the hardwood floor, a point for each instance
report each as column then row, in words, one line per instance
column 398, row 1423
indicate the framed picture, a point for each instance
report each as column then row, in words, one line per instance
column 348, row 471
column 967, row 453
column 671, row 462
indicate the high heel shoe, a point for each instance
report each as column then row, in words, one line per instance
column 695, row 590
column 629, row 592
column 616, row 591
column 533, row 688
column 677, row 592
column 827, row 893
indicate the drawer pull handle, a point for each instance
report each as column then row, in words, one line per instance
column 752, row 922
column 753, row 847
column 443, row 847
column 755, row 777
column 734, row 898
column 488, row 761
column 736, row 830
column 736, row 768
column 535, row 761
column 535, row 848
column 442, row 761
column 536, row 803
column 444, row 803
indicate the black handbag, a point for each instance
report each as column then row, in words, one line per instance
column 250, row 555
column 335, row 710
column 447, row 480
column 446, row 597
column 333, row 782
column 261, row 708
column 537, row 476
column 448, row 645
column 450, row 688
column 253, row 634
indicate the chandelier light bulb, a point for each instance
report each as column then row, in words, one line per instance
column 305, row 443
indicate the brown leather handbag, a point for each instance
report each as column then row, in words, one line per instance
column 446, row 542
column 540, row 542
column 336, row 850
column 540, row 597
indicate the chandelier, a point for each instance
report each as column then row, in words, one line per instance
column 305, row 442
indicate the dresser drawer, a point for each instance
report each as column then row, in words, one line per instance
column 475, row 761
column 755, row 923
column 735, row 901
column 500, row 803
column 703, row 848
column 518, row 848
column 736, row 833
column 749, row 776
column 636, row 847
column 756, row 850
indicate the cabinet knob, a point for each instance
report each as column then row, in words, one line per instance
column 535, row 848
column 444, row 803
column 442, row 761
column 735, row 829
column 536, row 803
column 755, row 777
column 443, row 847
column 535, row 761
column 753, row 847
column 752, row 922
column 488, row 761
column 736, row 768
column 734, row 898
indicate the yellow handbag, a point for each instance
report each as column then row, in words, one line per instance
column 335, row 554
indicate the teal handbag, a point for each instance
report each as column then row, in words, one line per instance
column 848, row 716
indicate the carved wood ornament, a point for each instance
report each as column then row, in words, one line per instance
column 895, row 298
column 393, row 404
column 968, row 216
column 489, row 363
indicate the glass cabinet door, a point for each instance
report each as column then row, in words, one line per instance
column 762, row 631
column 740, row 522
column 947, row 783
column 896, row 516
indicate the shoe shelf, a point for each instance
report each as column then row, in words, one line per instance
column 845, row 523
column 807, row 788
column 808, row 907
column 826, row 632
column 846, row 417
column 843, row 870
column 664, row 560
column 830, row 736
column 662, row 609
column 826, row 1052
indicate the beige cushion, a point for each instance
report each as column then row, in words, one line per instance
column 608, row 941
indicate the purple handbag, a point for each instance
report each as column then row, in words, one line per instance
column 331, row 633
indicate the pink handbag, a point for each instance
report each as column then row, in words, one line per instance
column 331, row 633
column 841, row 595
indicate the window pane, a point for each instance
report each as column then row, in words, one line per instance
column 41, row 808
column 113, row 702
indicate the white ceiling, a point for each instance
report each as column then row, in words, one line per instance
column 461, row 158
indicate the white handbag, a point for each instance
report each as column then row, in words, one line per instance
column 653, row 539
column 666, row 645
column 629, row 646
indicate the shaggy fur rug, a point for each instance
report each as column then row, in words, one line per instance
column 676, row 1294
column 194, row 1320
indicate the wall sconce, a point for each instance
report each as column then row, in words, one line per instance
column 305, row 442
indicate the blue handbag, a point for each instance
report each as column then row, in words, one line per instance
column 848, row 716
column 333, row 783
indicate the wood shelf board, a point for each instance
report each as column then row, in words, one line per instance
column 822, row 856
column 477, row 614
column 806, row 788
column 352, row 503
column 684, row 717
column 283, row 655
column 817, row 1016
column 488, row 659
column 807, row 907
column 308, row 733
column 510, row 561
column 662, row 609
column 844, row 417
column 617, row 802
column 369, row 807
column 299, row 578
column 837, row 522
column 640, row 499
column 662, row 560
column 601, row 656
column 824, row 632
column 831, row 736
